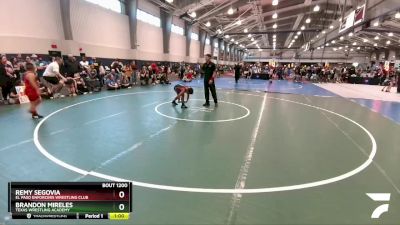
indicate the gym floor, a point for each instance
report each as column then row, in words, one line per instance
column 280, row 153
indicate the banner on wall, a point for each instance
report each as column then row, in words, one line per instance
column 359, row 14
column 347, row 22
column 354, row 18
column 21, row 93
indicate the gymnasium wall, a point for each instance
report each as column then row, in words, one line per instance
column 29, row 26
column 37, row 24
column 177, row 44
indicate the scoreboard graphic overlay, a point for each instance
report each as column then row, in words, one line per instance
column 70, row 200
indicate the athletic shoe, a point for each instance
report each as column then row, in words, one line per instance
column 216, row 104
column 206, row 104
column 174, row 103
column 37, row 116
column 184, row 107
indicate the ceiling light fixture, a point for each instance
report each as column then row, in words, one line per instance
column 376, row 24
column 390, row 34
column 208, row 24
column 245, row 30
column 351, row 34
column 193, row 14
column 316, row 8
column 275, row 2
column 397, row 15
column 341, row 38
column 275, row 15
column 302, row 27
column 230, row 11
column 331, row 27
column 275, row 26
column 308, row 20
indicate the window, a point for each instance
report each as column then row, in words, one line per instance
column 148, row 18
column 177, row 29
column 207, row 41
column 114, row 5
column 195, row 36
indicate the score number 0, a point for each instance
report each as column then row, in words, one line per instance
column 121, row 206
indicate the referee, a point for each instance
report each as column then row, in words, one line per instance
column 209, row 84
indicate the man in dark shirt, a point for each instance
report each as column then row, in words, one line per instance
column 237, row 69
column 71, row 66
column 209, row 83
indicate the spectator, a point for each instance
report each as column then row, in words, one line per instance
column 127, row 72
column 117, row 66
column 84, row 63
column 101, row 74
column 111, row 81
column 7, row 78
column 14, row 96
column 53, row 76
column 71, row 66
column 95, row 64
column 144, row 76
column 134, row 73
column 40, row 66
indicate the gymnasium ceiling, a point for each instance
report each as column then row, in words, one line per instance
column 257, row 16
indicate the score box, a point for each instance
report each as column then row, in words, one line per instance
column 44, row 199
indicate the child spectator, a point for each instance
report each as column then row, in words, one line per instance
column 111, row 81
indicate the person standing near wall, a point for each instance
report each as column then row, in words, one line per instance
column 209, row 69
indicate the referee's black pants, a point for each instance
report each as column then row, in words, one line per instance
column 207, row 88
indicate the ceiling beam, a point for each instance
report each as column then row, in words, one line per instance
column 276, row 31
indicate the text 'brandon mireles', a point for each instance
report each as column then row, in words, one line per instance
column 43, row 206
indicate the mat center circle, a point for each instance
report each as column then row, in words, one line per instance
column 198, row 113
